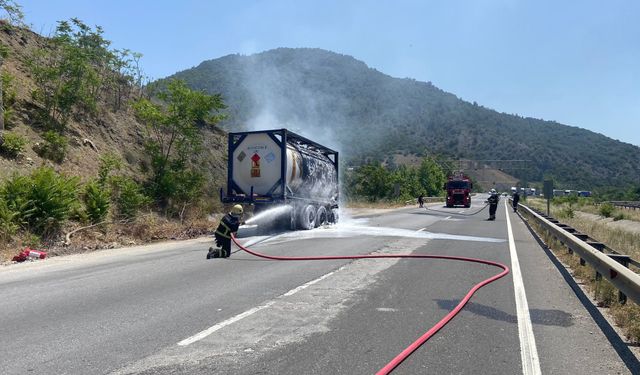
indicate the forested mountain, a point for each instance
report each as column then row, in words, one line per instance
column 366, row 114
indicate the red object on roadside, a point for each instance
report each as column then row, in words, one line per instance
column 28, row 253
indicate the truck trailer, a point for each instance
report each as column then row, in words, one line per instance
column 272, row 168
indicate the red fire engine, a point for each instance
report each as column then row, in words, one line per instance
column 458, row 189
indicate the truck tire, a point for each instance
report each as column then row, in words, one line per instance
column 334, row 216
column 307, row 218
column 321, row 216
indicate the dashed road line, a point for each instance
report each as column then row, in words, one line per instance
column 201, row 335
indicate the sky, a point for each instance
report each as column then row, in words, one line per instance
column 574, row 62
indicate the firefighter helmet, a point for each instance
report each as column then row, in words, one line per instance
column 236, row 210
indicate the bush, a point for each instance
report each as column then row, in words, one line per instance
column 619, row 216
column 129, row 197
column 54, row 147
column 97, row 201
column 8, row 226
column 109, row 162
column 12, row 145
column 567, row 213
column 606, row 209
column 42, row 201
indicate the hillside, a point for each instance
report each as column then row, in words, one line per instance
column 90, row 136
column 366, row 114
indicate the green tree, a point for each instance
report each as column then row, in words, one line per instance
column 371, row 181
column 406, row 178
column 77, row 69
column 174, row 138
column 13, row 12
column 431, row 177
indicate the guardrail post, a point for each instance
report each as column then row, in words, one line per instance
column 582, row 237
column 624, row 260
column 600, row 247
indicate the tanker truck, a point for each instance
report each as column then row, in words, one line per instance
column 272, row 168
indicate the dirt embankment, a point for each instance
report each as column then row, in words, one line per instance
column 91, row 136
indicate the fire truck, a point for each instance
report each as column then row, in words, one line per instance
column 458, row 189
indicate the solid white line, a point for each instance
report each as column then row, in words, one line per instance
column 447, row 218
column 199, row 336
column 421, row 229
column 528, row 350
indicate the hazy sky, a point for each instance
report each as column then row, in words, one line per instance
column 575, row 62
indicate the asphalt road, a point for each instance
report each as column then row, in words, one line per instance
column 165, row 309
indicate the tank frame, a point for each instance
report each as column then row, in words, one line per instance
column 234, row 194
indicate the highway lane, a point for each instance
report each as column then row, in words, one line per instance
column 125, row 311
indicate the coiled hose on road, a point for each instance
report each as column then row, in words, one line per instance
column 389, row 367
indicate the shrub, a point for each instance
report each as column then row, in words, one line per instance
column 8, row 226
column 42, row 201
column 606, row 209
column 54, row 147
column 108, row 163
column 567, row 213
column 32, row 240
column 129, row 197
column 97, row 201
column 619, row 216
column 12, row 145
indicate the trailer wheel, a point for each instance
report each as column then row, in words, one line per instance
column 307, row 218
column 321, row 216
column 334, row 216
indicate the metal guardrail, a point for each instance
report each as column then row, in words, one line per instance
column 612, row 267
column 626, row 204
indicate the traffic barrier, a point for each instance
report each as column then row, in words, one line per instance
column 614, row 267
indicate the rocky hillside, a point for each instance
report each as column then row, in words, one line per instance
column 340, row 101
column 89, row 135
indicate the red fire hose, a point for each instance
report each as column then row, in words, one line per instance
column 389, row 367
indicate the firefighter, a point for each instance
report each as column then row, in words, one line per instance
column 516, row 199
column 228, row 225
column 493, row 204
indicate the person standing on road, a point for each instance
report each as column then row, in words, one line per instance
column 493, row 204
column 228, row 225
column 516, row 199
column 421, row 200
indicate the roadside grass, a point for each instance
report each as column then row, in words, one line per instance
column 626, row 316
column 623, row 241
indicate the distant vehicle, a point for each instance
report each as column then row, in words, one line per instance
column 278, row 167
column 558, row 193
column 458, row 189
column 583, row 193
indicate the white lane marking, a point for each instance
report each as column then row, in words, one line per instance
column 528, row 350
column 447, row 218
column 199, row 336
column 421, row 229
column 386, row 309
